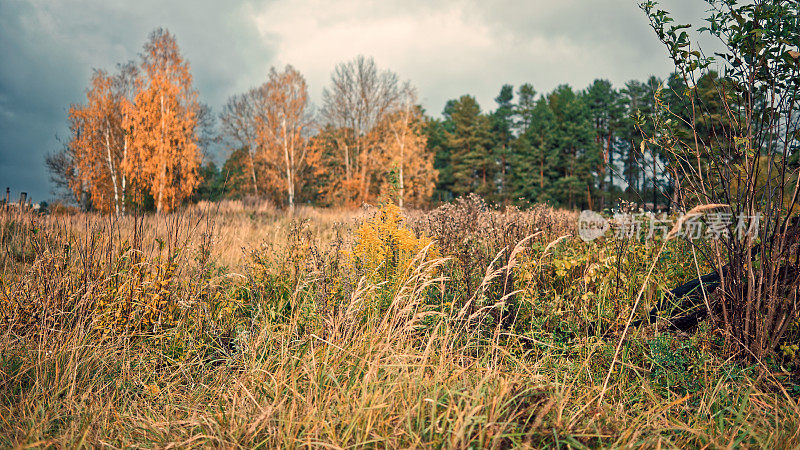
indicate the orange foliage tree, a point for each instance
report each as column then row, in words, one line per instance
column 355, row 104
column 99, row 143
column 404, row 149
column 283, row 126
column 373, row 125
column 271, row 122
column 164, row 155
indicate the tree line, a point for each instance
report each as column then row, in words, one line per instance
column 142, row 139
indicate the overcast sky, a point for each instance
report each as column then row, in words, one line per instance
column 446, row 48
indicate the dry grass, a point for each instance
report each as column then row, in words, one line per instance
column 268, row 337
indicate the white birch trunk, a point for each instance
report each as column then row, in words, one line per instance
column 111, row 168
column 289, row 168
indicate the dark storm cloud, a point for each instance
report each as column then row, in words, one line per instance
column 446, row 49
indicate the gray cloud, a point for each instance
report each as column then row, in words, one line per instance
column 446, row 49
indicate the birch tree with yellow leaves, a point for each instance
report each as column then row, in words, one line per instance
column 283, row 124
column 272, row 122
column 163, row 156
column 404, row 149
column 99, row 142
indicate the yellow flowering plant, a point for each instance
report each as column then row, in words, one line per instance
column 385, row 247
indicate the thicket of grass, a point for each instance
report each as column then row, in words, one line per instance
column 460, row 327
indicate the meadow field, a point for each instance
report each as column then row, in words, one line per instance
column 232, row 325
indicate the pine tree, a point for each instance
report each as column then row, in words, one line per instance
column 502, row 120
column 470, row 143
column 531, row 173
column 652, row 158
column 435, row 131
column 633, row 100
column 523, row 111
column 606, row 111
column 574, row 156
